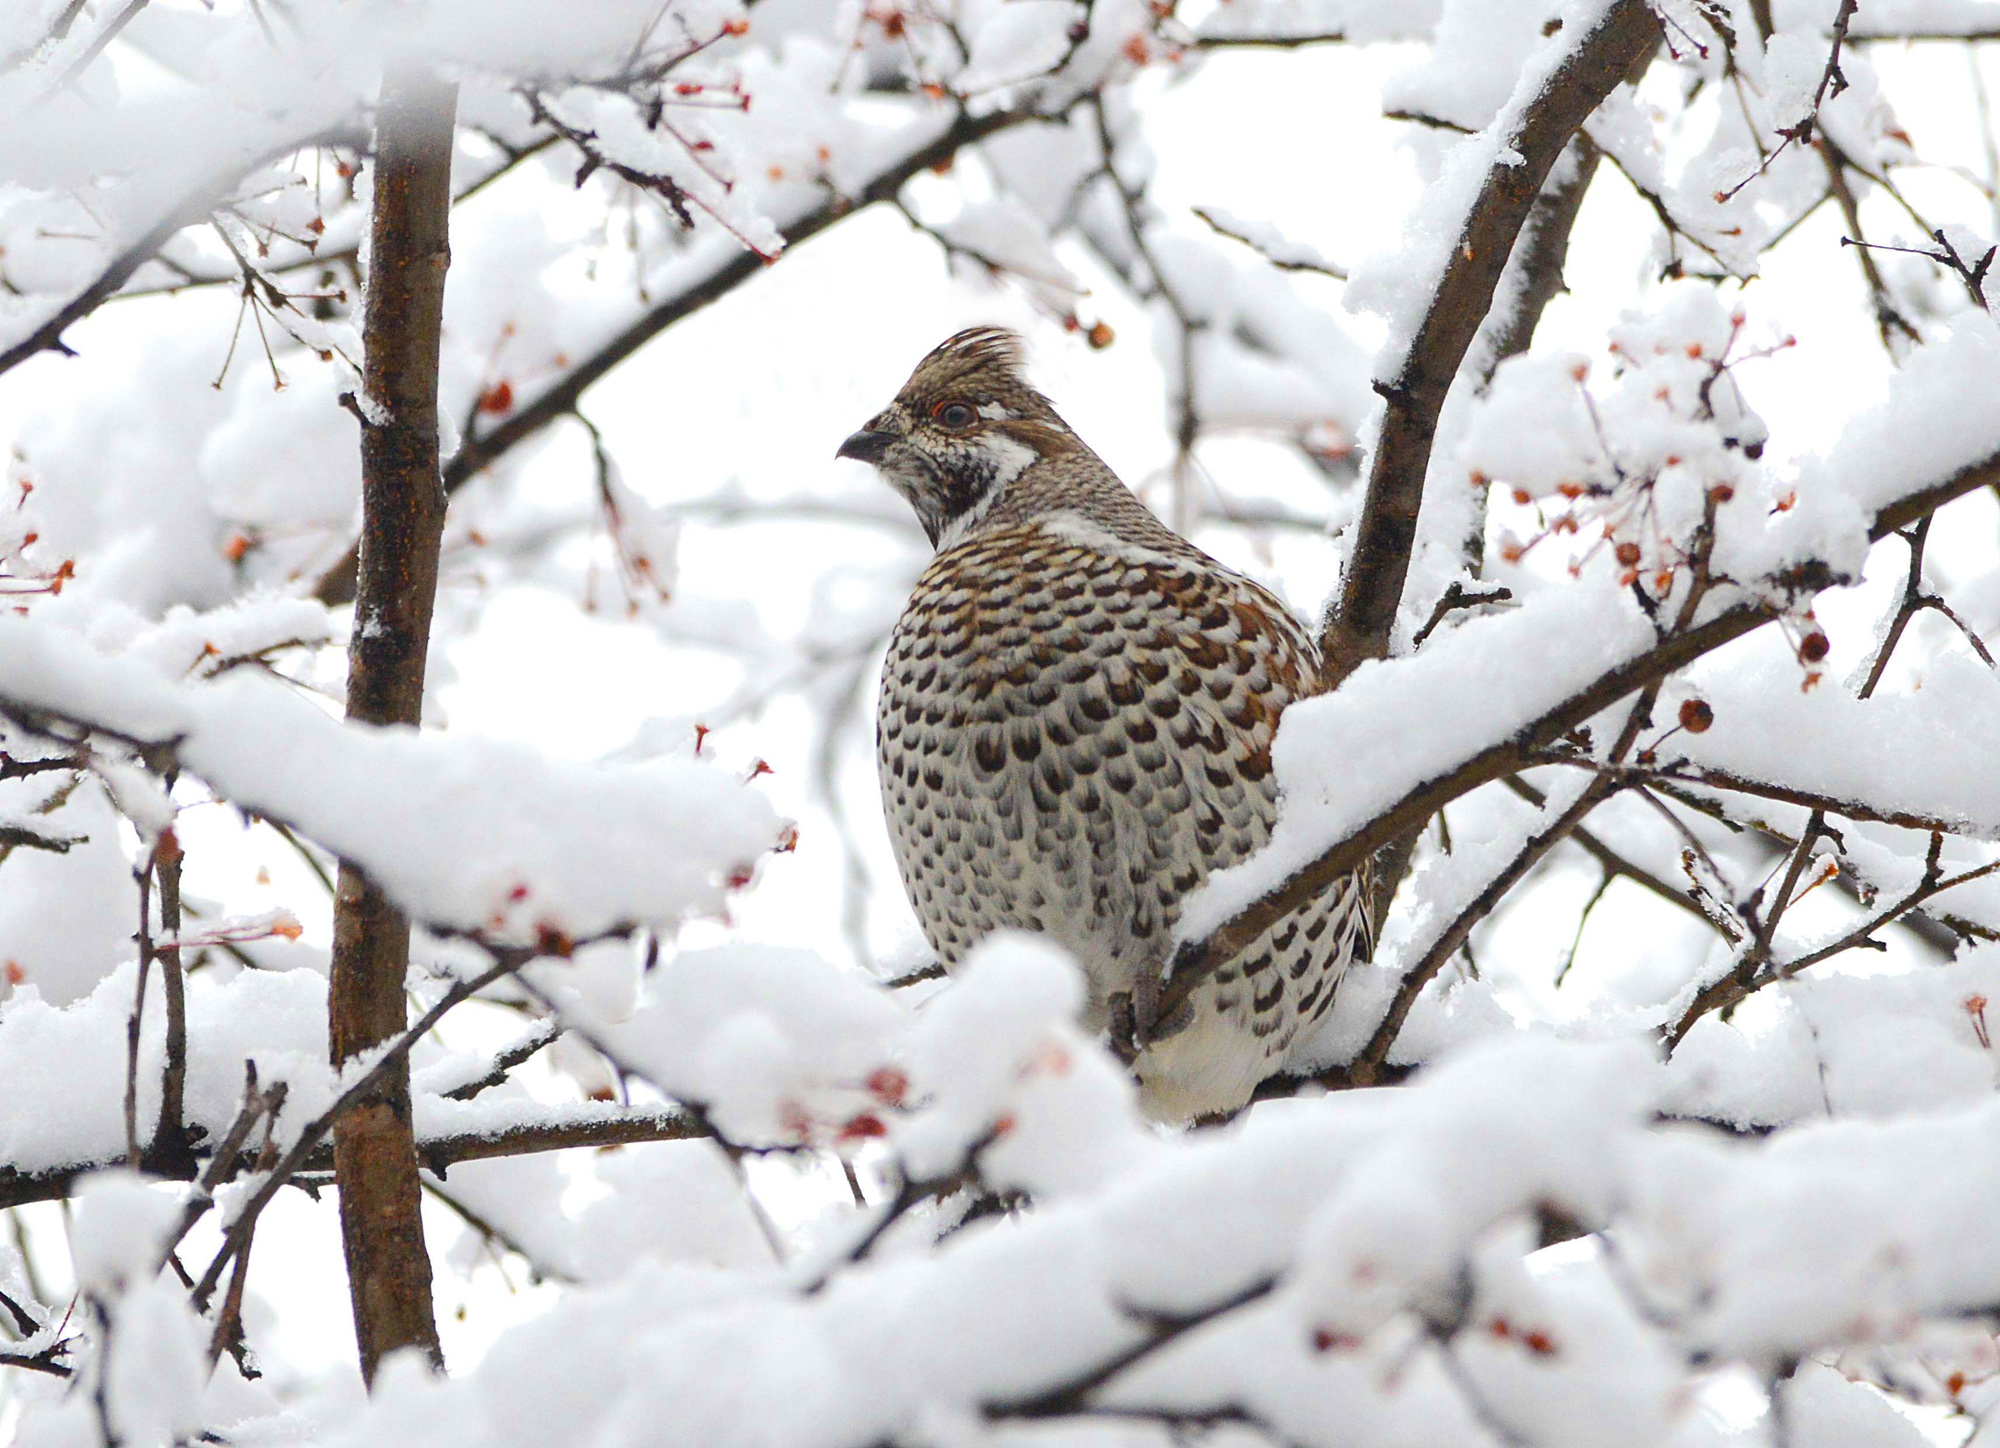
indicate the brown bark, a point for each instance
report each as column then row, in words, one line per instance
column 402, row 520
column 1539, row 254
column 438, row 1153
column 1196, row 960
column 172, row 1148
column 1358, row 628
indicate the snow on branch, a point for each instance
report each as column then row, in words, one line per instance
column 1371, row 1256
column 1379, row 757
column 1437, row 299
column 706, row 277
column 711, row 271
column 464, row 833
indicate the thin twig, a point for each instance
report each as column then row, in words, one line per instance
column 1162, row 1329
column 1282, row 263
column 1733, row 988
column 98, row 44
column 541, row 1034
column 1615, row 864
column 170, row 1137
column 508, row 960
column 133, row 1025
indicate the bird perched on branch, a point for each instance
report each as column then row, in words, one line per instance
column 1075, row 726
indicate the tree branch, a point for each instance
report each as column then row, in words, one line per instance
column 1738, row 986
column 565, row 1129
column 170, row 1138
column 1196, row 959
column 1074, row 1395
column 1615, row 865
column 479, row 452
column 1367, row 1064
column 1712, row 778
column 403, row 506
column 1359, row 626
column 192, row 211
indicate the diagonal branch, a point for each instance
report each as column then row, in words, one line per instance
column 1708, row 777
column 1197, row 958
column 193, row 210
column 1616, row 866
column 1367, row 1065
column 1737, row 986
column 1163, row 1329
column 1359, row 627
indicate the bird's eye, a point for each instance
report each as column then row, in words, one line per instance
column 955, row 414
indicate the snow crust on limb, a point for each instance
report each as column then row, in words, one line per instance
column 1398, row 285
column 565, row 847
column 1342, row 1223
column 62, row 1069
column 1344, row 757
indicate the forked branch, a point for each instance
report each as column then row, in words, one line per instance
column 1197, row 959
column 1359, row 627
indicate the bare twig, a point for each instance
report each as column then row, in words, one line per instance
column 44, row 1361
column 1972, row 273
column 1755, row 968
column 1282, row 263
column 1161, row 1329
column 135, row 1022
column 1889, row 319
column 170, row 1137
column 20, row 837
column 1616, row 866
column 1270, row 42
column 1801, row 132
column 1906, row 609
column 1714, row 778
column 1942, row 933
column 229, row 1321
column 1366, row 1066
column 534, row 1039
column 1604, row 883
column 1734, row 987
column 99, row 43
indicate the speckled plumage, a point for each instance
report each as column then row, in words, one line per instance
column 1075, row 723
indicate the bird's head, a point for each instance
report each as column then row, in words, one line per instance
column 962, row 429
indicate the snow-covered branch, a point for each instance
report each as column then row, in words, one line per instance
column 1436, row 307
column 1393, row 790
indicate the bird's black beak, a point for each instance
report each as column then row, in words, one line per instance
column 866, row 446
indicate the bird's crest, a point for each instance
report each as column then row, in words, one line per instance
column 982, row 347
column 988, row 361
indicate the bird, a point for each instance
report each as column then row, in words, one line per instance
column 1074, row 727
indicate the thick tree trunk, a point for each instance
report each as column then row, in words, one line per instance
column 403, row 505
